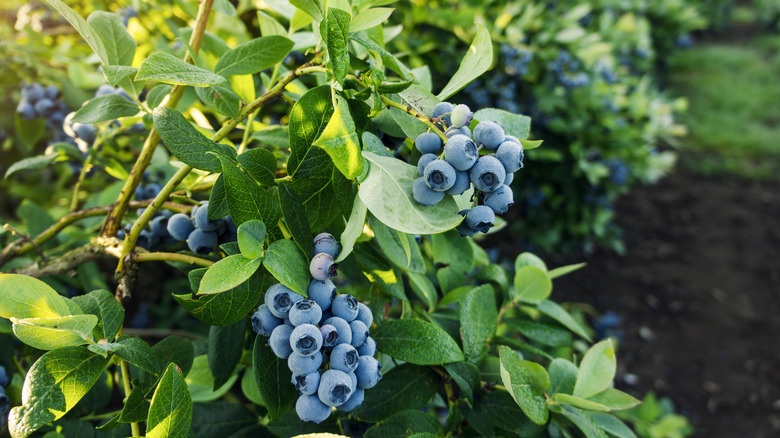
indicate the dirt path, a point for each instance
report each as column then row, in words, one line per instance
column 699, row 295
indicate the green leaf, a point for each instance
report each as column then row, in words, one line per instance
column 563, row 376
column 295, row 217
column 53, row 386
column 273, row 379
column 387, row 193
column 222, row 419
column 136, row 408
column 254, row 56
column 372, row 143
column 580, row 403
column 584, row 422
column 513, row 124
column 477, row 60
column 403, row 424
column 496, row 409
column 466, row 376
column 51, row 333
column 188, row 144
column 218, row 207
column 597, row 370
column 89, row 34
column 27, row 297
column 532, row 284
column 31, row 163
column 170, row 413
column 166, row 68
column 287, row 264
column 612, row 425
column 135, row 351
column 388, row 59
column 398, row 247
column 119, row 45
column 336, row 36
column 225, row 347
column 404, row 387
column 157, row 94
column 250, row 389
column 102, row 108
column 221, row 99
column 341, row 142
column 615, row 399
column 173, row 349
column 353, row 229
column 200, row 381
column 245, row 198
column 416, row 341
column 225, row 7
column 115, row 74
column 545, row 334
column 531, row 144
column 556, row 312
column 478, row 315
column 308, row 118
column 260, row 164
column 228, row 307
column 369, row 18
column 251, row 235
column 312, row 7
column 563, row 270
column 379, row 272
column 525, row 383
column 424, row 289
column 228, row 273
column 109, row 312
column 269, row 26
column 529, row 259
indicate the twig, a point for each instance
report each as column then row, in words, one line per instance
column 64, row 263
column 26, row 238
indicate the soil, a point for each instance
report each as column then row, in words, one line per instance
column 699, row 295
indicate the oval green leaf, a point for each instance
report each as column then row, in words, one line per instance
column 287, row 264
column 597, row 370
column 170, row 413
column 228, row 273
column 52, row 333
column 254, row 56
column 416, row 341
column 532, row 284
column 102, row 108
column 27, row 297
column 166, row 68
column 526, row 383
column 251, row 235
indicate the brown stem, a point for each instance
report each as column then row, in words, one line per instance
column 64, row 263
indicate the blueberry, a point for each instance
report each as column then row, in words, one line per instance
column 500, row 199
column 26, row 110
column 428, row 143
column 280, row 299
column 330, row 336
column 365, row 315
column 152, row 190
column 345, row 306
column 322, row 267
column 306, row 339
column 202, row 242
column 335, row 387
column 461, row 152
column 33, row 92
column 159, row 226
column 310, row 408
column 359, row 332
column 367, row 372
column 44, row 107
column 453, row 132
column 180, row 226
column 343, row 329
column 147, row 240
column 510, row 154
column 509, row 178
column 322, row 292
column 263, row 321
column 487, row 174
column 304, row 365
column 461, row 116
column 104, row 89
column 3, row 377
column 490, row 134
column 231, row 226
column 441, row 109
column 465, row 230
column 462, row 183
column 368, row 348
column 344, row 357
column 355, row 400
column 52, row 92
column 326, row 314
column 305, row 311
column 201, row 218
column 424, row 161
column 85, row 132
column 423, row 194
column 280, row 341
column 480, row 218
column 326, row 243
column 4, row 404
column 307, row 385
column 439, row 175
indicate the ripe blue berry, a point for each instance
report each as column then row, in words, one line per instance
column 326, row 243
column 279, row 299
column 159, row 226
column 26, row 110
column 465, row 230
column 510, row 154
column 335, row 387
column 231, row 226
column 461, row 116
column 180, row 226
column 345, row 306
column 441, row 109
column 52, row 92
column 306, row 339
column 45, row 106
column 264, row 322
column 423, row 194
column 439, row 175
column 509, row 178
column 462, row 183
column 343, row 329
column 365, row 315
column 322, row 266
column 322, row 292
column 368, row 348
column 151, row 190
column 359, row 333
column 201, row 218
column 461, row 152
column 428, row 143
column 424, row 161
column 280, row 341
column 490, row 134
column 4, row 404
column 452, row 132
column 305, row 311
column 355, row 400
column 3, row 377
column 480, row 218
column 307, row 385
column 500, row 199
column 304, row 365
column 368, row 372
column 330, row 336
column 33, row 92
column 310, row 408
column 202, row 242
column 344, row 357
column 487, row 174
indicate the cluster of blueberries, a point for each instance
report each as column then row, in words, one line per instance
column 516, row 61
column 567, row 70
column 618, row 171
column 44, row 102
column 4, row 402
column 324, row 338
column 607, row 326
column 462, row 166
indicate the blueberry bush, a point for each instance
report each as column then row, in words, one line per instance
column 294, row 207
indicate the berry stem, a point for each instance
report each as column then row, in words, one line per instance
column 171, row 256
column 414, row 113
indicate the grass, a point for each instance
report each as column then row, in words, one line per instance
column 734, row 113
